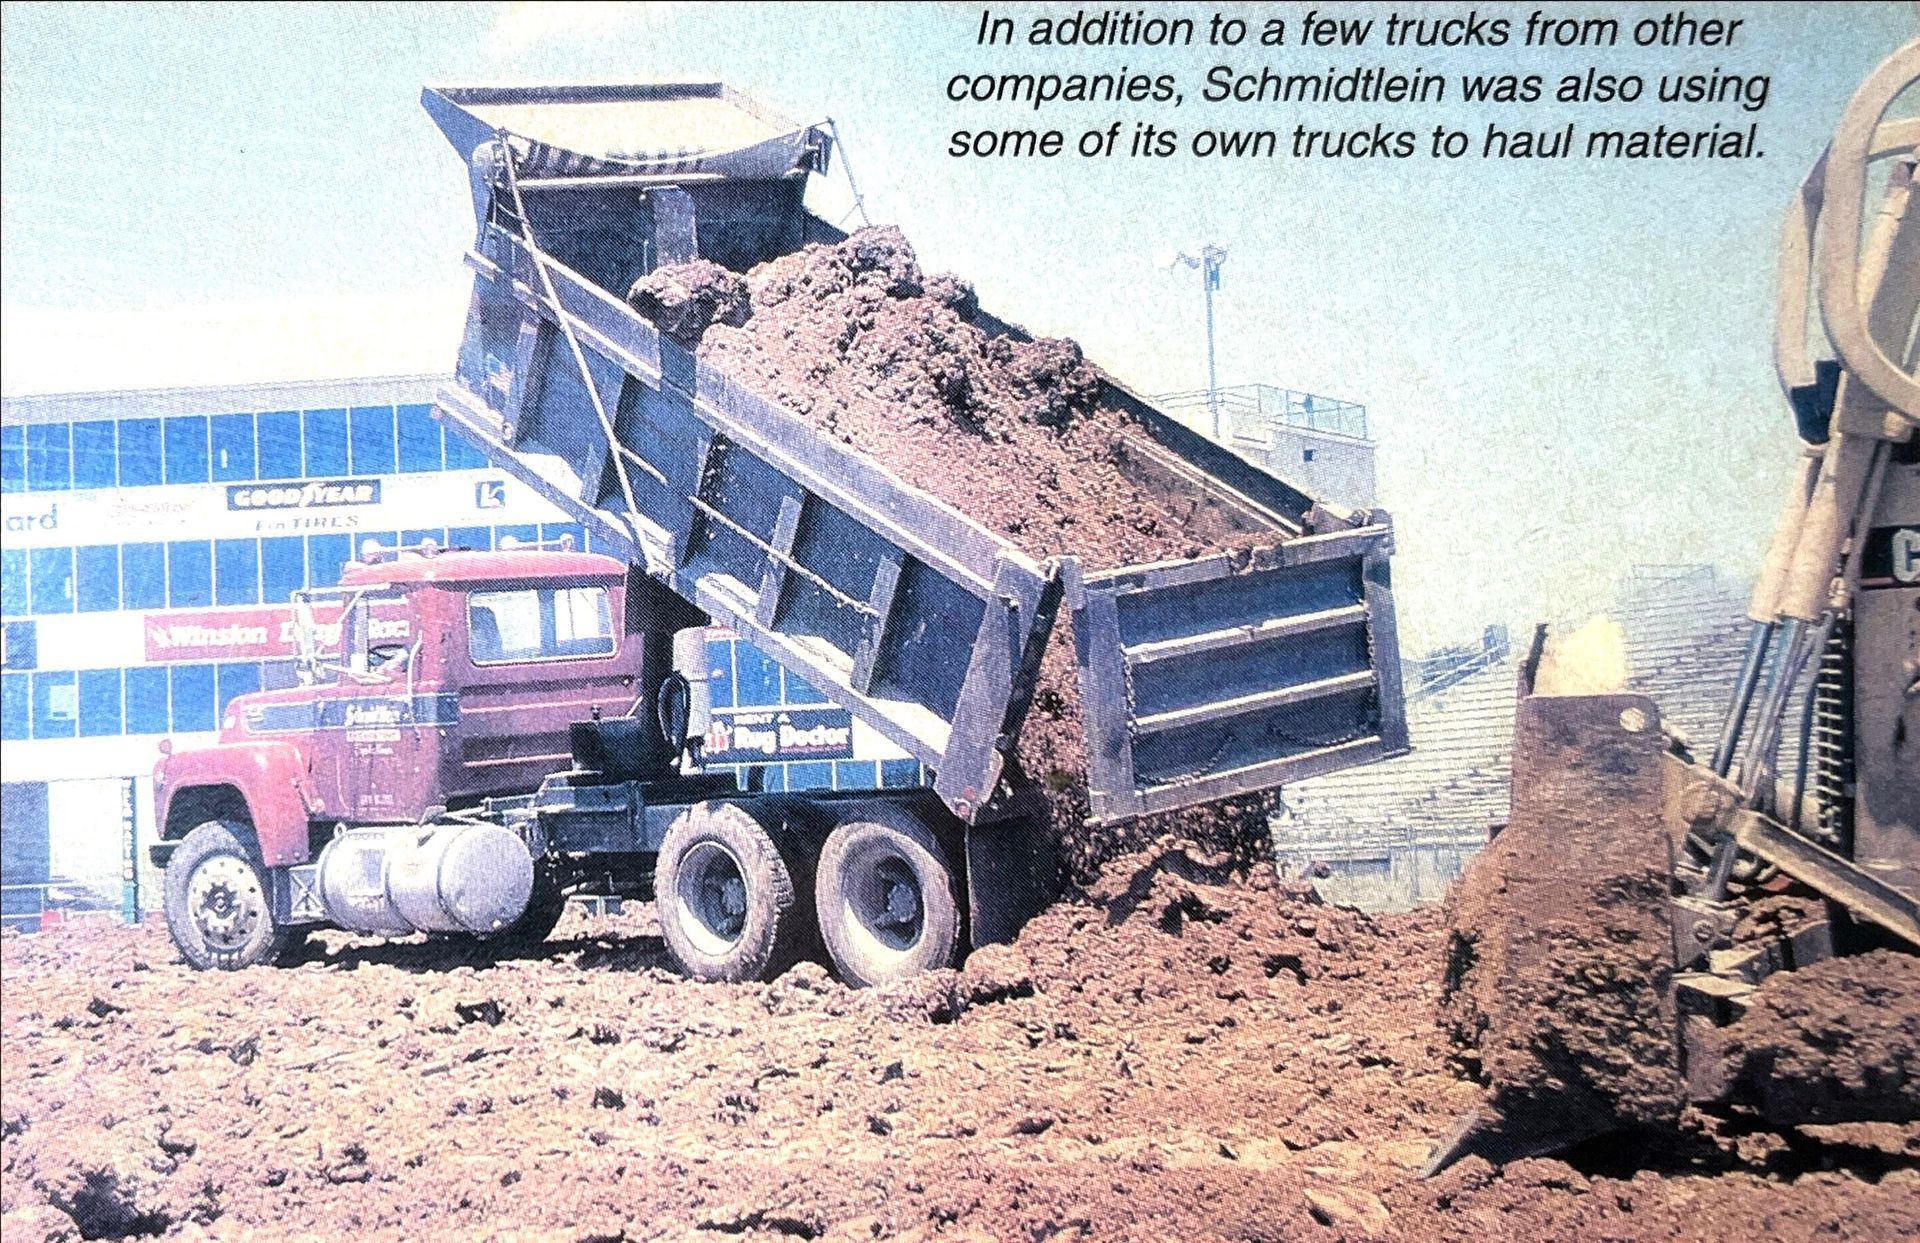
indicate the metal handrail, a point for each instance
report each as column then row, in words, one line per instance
column 1859, row 140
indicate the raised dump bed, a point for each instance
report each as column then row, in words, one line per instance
column 1270, row 659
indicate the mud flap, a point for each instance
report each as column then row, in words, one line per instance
column 1560, row 959
column 1012, row 874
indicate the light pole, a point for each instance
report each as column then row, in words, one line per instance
column 1208, row 261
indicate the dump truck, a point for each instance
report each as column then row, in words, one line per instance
column 493, row 730
column 1657, row 926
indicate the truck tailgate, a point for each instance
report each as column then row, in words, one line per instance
column 1232, row 673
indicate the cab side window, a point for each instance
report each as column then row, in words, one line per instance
column 554, row 623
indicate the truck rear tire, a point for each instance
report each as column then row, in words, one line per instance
column 726, row 898
column 217, row 901
column 888, row 902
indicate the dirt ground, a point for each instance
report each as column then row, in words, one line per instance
column 1184, row 1051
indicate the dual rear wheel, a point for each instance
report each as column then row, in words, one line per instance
column 745, row 892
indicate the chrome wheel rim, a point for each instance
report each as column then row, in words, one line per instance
column 226, row 903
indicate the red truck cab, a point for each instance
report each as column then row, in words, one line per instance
column 431, row 680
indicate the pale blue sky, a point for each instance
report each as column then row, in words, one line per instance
column 1566, row 366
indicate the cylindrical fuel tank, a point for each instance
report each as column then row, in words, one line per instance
column 427, row 878
column 352, row 874
column 460, row 878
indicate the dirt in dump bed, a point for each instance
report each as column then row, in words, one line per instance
column 855, row 339
column 1184, row 1051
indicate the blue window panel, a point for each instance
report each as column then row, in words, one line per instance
column 49, row 457
column 189, row 574
column 855, row 775
column 419, row 535
column 147, row 699
column 480, row 539
column 373, row 448
column 143, row 576
column 99, row 702
column 193, row 691
column 22, row 642
column 326, row 442
column 14, row 712
column 525, row 534
column 236, row 571
column 233, row 455
column 325, row 555
column 756, row 678
column 13, row 459
column 552, row 532
column 283, row 568
column 13, row 582
column 96, row 576
column 799, row 691
column 900, row 774
column 139, row 452
column 279, row 438
column 419, row 438
column 279, row 675
column 56, row 705
column 810, row 775
column 51, row 579
column 95, row 454
column 237, row 678
column 766, row 778
column 720, row 672
column 463, row 453
column 186, row 448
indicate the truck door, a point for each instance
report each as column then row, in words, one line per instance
column 384, row 769
column 539, row 657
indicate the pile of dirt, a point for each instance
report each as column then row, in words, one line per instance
column 1837, row 1039
column 1012, row 432
column 1183, row 1051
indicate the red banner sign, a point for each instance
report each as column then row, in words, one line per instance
column 221, row 634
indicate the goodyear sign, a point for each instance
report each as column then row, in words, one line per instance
column 771, row 735
column 310, row 494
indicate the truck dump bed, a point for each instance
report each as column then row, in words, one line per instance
column 1228, row 672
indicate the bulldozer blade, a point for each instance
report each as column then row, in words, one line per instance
column 1558, row 993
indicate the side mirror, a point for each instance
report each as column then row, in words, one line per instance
column 306, row 642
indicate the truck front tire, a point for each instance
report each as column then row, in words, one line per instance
column 887, row 898
column 217, row 901
column 726, row 898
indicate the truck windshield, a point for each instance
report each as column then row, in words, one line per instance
column 552, row 623
column 353, row 634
